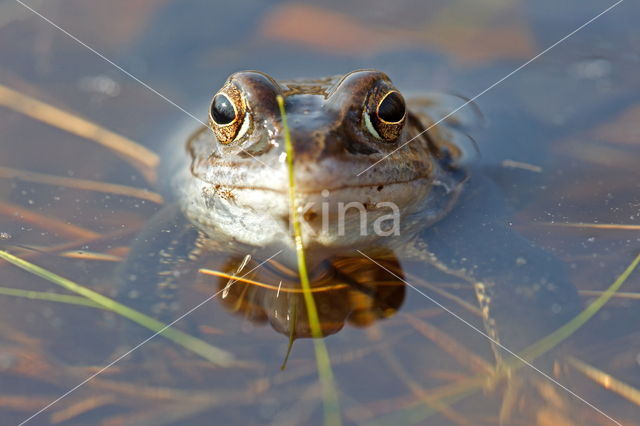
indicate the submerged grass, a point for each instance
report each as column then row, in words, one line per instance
column 44, row 221
column 51, row 297
column 197, row 346
column 457, row 391
column 140, row 157
column 547, row 343
column 324, row 288
column 607, row 381
column 329, row 393
column 609, row 226
column 83, row 184
column 620, row 294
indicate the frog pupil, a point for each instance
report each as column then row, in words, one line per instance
column 222, row 110
column 392, row 108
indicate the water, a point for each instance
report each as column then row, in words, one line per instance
column 558, row 137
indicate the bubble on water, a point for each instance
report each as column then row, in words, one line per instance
column 593, row 69
column 100, row 84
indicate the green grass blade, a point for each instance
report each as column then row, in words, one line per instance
column 329, row 394
column 292, row 336
column 550, row 341
column 50, row 297
column 197, row 346
column 418, row 414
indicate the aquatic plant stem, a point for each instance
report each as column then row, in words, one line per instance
column 50, row 297
column 292, row 333
column 329, row 394
column 457, row 391
column 550, row 341
column 197, row 346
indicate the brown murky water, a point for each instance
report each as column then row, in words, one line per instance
column 559, row 137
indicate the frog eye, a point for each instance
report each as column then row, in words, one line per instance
column 391, row 108
column 228, row 117
column 222, row 110
column 385, row 115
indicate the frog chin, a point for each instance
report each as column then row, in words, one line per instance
column 331, row 220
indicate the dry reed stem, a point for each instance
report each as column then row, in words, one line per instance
column 144, row 160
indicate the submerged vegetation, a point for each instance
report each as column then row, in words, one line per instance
column 71, row 230
column 439, row 401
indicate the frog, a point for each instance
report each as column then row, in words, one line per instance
column 362, row 152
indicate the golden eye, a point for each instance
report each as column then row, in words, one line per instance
column 228, row 116
column 385, row 115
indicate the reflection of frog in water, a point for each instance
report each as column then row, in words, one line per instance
column 345, row 290
column 233, row 199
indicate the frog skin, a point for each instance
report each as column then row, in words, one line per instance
column 355, row 140
column 238, row 189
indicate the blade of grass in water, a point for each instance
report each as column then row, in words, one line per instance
column 332, row 287
column 292, row 333
column 51, row 297
column 608, row 226
column 140, row 157
column 458, row 391
column 548, row 342
column 43, row 221
column 197, row 346
column 329, row 394
column 607, row 381
column 83, row 184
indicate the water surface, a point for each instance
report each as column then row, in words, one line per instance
column 559, row 138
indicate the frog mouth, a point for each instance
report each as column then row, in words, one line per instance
column 333, row 175
column 334, row 206
column 313, row 189
column 313, row 201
